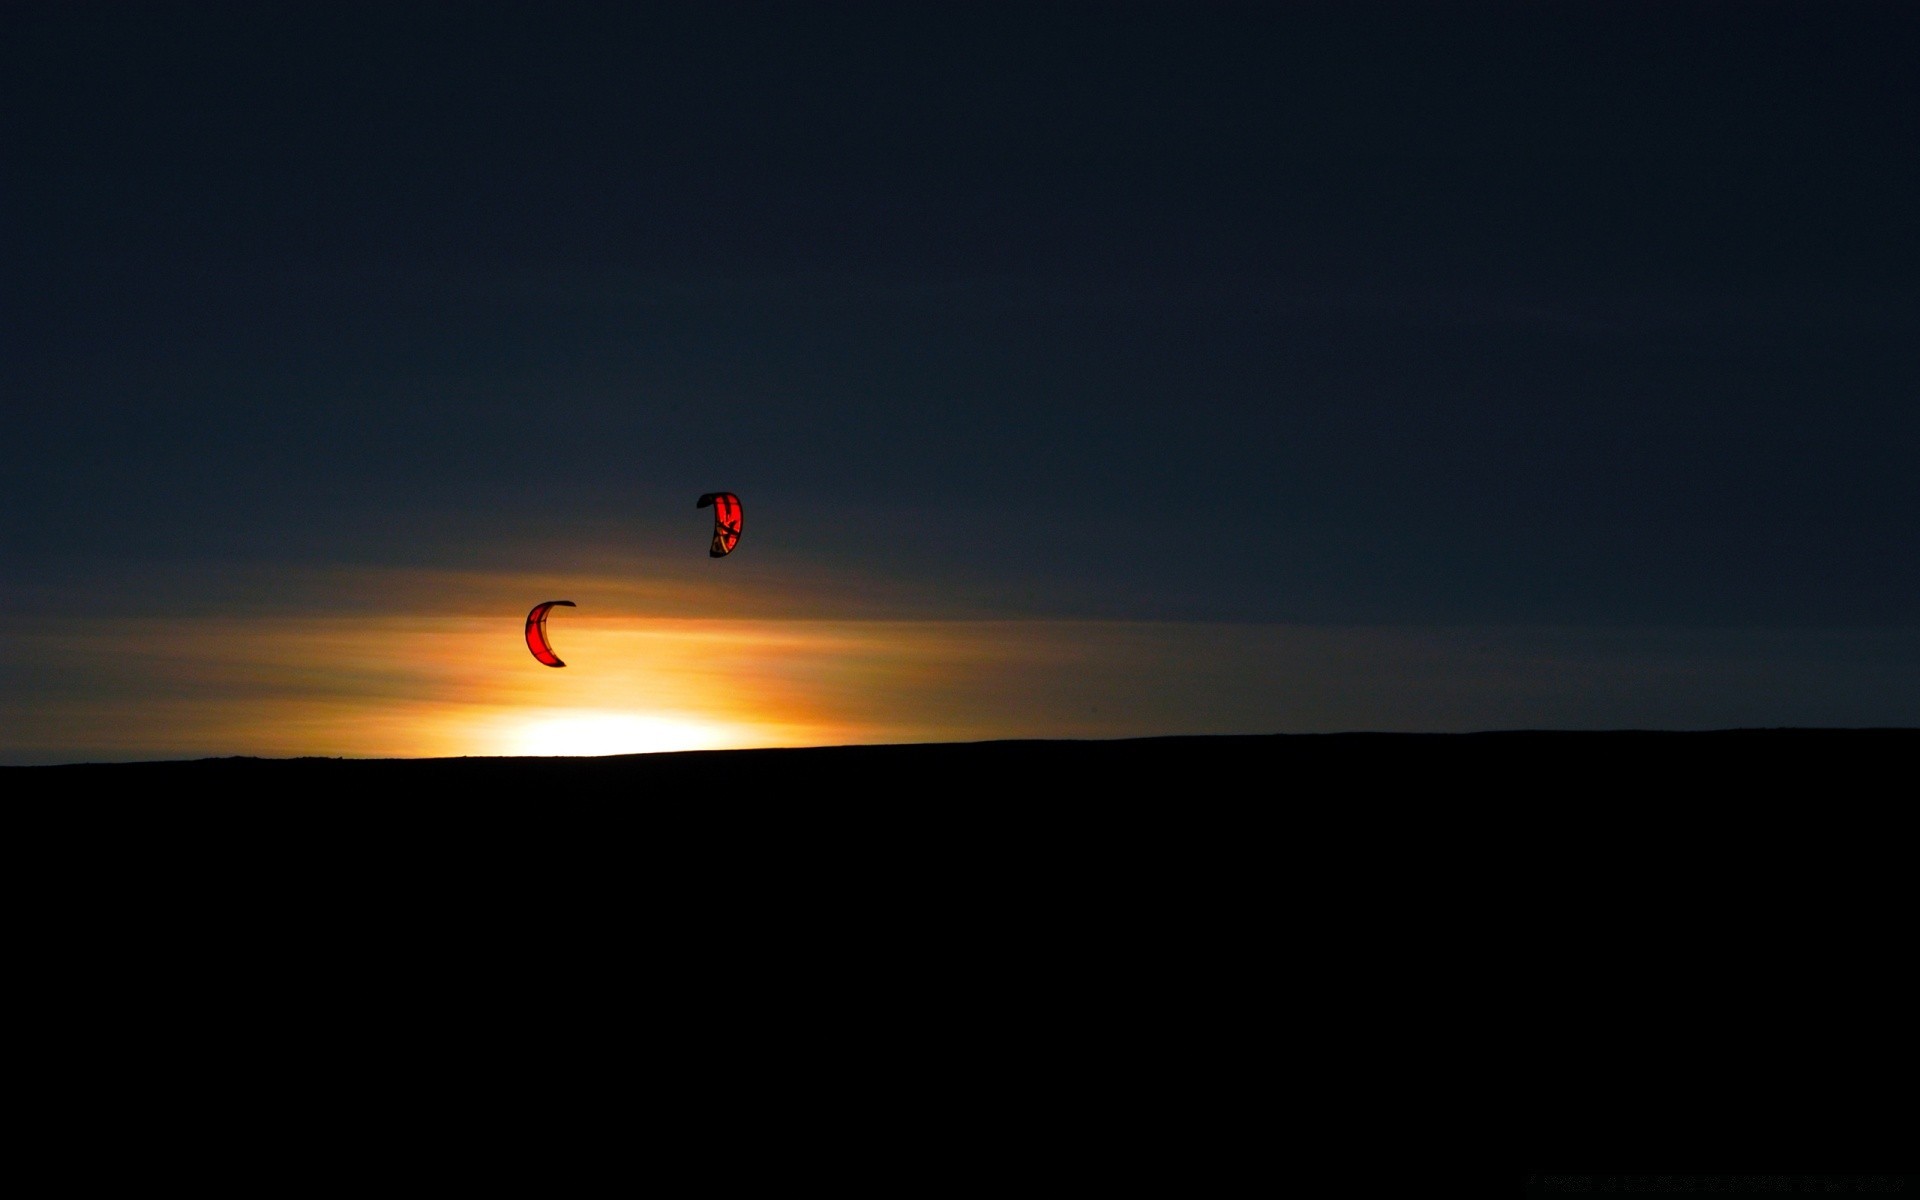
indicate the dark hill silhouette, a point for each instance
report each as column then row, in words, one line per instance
column 1211, row 812
column 1152, row 918
column 1214, row 768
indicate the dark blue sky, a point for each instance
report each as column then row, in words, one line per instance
column 1584, row 314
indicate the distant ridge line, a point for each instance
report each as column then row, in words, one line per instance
column 1170, row 747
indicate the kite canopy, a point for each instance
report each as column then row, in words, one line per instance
column 726, row 522
column 537, row 632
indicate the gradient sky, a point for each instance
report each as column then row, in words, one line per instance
column 1086, row 369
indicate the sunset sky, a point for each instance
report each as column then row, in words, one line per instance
column 1085, row 370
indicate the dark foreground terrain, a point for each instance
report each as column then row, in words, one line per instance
column 702, row 833
column 1520, row 765
column 1143, row 953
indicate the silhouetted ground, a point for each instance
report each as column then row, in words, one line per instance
column 1214, row 768
column 1138, row 943
column 1202, row 813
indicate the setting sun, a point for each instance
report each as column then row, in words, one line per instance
column 590, row 732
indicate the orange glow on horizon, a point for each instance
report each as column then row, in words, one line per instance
column 444, row 671
column 385, row 685
column 429, row 687
column 592, row 732
column 413, row 686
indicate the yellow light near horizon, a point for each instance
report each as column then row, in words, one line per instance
column 429, row 686
column 591, row 733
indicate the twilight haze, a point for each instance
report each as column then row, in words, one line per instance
column 1085, row 370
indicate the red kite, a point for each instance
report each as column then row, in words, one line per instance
column 537, row 632
column 726, row 522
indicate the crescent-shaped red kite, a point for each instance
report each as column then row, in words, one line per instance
column 726, row 522
column 537, row 632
